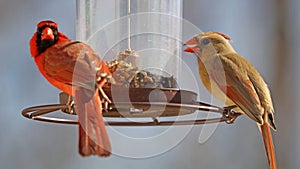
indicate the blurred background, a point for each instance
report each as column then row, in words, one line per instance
column 265, row 32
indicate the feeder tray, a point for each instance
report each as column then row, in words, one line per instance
column 168, row 102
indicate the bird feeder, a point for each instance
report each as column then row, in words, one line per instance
column 140, row 41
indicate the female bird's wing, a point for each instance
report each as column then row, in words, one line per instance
column 236, row 84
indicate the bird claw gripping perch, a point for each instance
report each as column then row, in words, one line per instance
column 103, row 78
column 69, row 103
column 230, row 114
column 67, row 100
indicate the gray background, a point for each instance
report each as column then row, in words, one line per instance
column 265, row 32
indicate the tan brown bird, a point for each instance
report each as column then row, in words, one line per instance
column 229, row 77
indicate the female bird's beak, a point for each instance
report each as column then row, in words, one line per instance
column 190, row 50
column 192, row 46
column 47, row 34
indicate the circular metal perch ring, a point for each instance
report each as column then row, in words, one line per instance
column 228, row 115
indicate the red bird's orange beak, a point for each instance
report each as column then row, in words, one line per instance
column 192, row 46
column 47, row 34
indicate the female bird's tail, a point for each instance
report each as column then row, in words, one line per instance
column 268, row 142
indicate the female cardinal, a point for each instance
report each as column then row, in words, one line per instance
column 225, row 73
column 76, row 69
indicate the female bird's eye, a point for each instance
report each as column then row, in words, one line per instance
column 205, row 41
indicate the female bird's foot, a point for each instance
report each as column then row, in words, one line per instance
column 230, row 114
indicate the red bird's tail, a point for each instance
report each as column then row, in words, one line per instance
column 268, row 142
column 93, row 138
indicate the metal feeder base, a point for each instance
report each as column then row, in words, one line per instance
column 166, row 102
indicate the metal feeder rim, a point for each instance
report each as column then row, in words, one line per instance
column 228, row 114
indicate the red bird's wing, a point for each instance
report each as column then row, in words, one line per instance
column 237, row 86
column 76, row 64
column 73, row 63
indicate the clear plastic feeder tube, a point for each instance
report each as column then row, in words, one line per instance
column 149, row 28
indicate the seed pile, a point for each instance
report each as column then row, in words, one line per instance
column 127, row 75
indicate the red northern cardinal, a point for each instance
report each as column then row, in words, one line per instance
column 225, row 73
column 76, row 69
